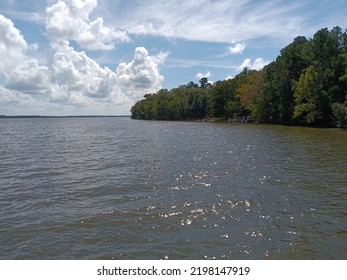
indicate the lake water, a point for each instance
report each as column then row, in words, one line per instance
column 116, row 188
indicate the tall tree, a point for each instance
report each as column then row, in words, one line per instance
column 295, row 59
column 326, row 46
column 309, row 99
column 277, row 98
column 249, row 93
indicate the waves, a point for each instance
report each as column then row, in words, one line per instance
column 113, row 188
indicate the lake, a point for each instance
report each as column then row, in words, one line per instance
column 116, row 188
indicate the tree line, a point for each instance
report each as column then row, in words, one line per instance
column 305, row 85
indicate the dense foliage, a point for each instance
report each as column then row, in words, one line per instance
column 305, row 85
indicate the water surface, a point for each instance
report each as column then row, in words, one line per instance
column 116, row 188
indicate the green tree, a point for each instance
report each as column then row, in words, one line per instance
column 295, row 58
column 309, row 99
column 223, row 99
column 306, row 84
column 326, row 47
column 340, row 114
column 343, row 62
column 204, row 83
column 276, row 104
column 249, row 94
column 192, row 85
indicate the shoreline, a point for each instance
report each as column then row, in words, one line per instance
column 226, row 121
column 61, row 117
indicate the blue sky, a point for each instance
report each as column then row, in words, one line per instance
column 75, row 57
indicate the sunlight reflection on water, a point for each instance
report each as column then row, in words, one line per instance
column 103, row 188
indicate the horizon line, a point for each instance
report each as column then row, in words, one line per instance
column 64, row 116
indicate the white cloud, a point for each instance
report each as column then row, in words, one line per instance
column 12, row 45
column 81, row 80
column 160, row 57
column 77, row 77
column 141, row 74
column 211, row 21
column 207, row 75
column 237, row 48
column 74, row 80
column 70, row 81
column 203, row 75
column 258, row 64
column 70, row 20
column 14, row 101
column 29, row 77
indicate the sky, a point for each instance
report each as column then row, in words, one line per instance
column 90, row 57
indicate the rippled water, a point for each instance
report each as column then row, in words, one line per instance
column 115, row 188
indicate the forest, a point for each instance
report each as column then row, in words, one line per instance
column 306, row 85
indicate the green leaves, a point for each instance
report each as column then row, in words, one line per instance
column 178, row 104
column 306, row 85
column 340, row 114
column 308, row 98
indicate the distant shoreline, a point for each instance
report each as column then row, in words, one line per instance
column 60, row 117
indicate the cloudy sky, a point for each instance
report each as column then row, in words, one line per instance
column 77, row 57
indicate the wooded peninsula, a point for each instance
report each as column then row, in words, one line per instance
column 305, row 85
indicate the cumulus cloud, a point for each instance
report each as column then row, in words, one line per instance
column 70, row 80
column 237, row 48
column 70, row 20
column 77, row 77
column 12, row 45
column 15, row 99
column 29, row 77
column 258, row 64
column 141, row 73
column 80, row 80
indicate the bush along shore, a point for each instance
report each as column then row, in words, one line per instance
column 305, row 85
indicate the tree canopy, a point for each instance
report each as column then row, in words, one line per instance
column 305, row 85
